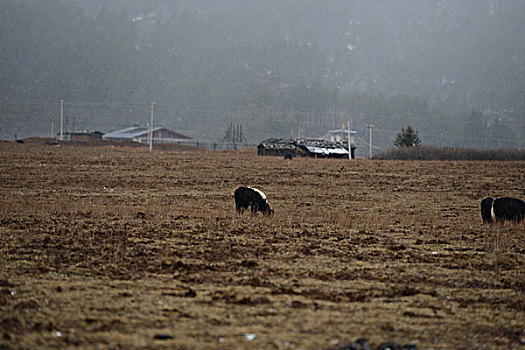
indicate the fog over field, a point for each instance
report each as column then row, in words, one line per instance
column 454, row 70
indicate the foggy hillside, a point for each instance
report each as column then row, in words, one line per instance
column 453, row 69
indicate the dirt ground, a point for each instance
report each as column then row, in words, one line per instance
column 116, row 247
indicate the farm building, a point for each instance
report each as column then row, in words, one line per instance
column 277, row 147
column 341, row 135
column 86, row 136
column 141, row 134
column 302, row 148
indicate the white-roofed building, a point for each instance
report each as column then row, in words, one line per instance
column 141, row 134
column 341, row 135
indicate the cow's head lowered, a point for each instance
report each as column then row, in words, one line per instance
column 269, row 210
column 250, row 197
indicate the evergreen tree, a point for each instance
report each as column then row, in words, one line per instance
column 407, row 138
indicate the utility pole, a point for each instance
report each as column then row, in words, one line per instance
column 349, row 141
column 61, row 120
column 151, row 127
column 370, row 127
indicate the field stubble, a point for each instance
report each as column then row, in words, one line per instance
column 108, row 247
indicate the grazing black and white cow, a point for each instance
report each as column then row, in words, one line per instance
column 503, row 209
column 254, row 199
column 508, row 209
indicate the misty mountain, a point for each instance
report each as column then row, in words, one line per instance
column 278, row 67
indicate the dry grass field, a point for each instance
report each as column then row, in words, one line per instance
column 113, row 247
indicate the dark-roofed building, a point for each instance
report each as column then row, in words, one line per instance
column 277, row 147
column 302, row 148
column 141, row 134
column 86, row 136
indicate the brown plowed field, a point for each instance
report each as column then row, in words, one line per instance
column 107, row 247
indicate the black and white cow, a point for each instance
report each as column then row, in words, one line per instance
column 486, row 209
column 253, row 198
column 502, row 209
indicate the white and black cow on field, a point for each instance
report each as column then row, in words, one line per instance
column 250, row 197
column 502, row 209
column 486, row 209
